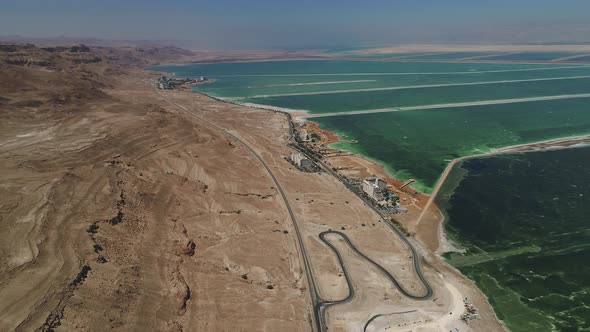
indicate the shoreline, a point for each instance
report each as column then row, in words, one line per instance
column 337, row 138
column 446, row 244
column 443, row 243
column 299, row 116
column 456, row 278
column 331, row 137
column 351, row 57
column 352, row 220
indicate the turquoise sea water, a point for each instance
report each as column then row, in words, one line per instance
column 240, row 87
column 525, row 222
column 367, row 100
column 246, row 80
column 414, row 144
column 522, row 218
column 420, row 144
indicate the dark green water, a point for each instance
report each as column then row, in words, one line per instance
column 420, row 144
column 525, row 222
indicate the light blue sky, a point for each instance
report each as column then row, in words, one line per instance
column 302, row 23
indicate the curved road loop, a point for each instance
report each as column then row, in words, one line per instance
column 318, row 304
column 323, row 305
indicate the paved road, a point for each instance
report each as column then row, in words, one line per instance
column 325, row 304
column 415, row 257
column 307, row 266
column 318, row 304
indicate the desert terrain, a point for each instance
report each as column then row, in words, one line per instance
column 127, row 208
column 117, row 214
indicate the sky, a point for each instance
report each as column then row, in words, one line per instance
column 292, row 24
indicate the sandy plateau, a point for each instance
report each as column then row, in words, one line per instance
column 120, row 210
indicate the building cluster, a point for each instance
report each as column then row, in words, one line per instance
column 376, row 189
column 302, row 162
column 304, row 136
column 373, row 190
column 169, row 83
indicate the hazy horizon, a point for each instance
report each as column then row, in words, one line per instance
column 302, row 24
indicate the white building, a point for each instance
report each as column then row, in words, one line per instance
column 374, row 187
column 382, row 184
column 299, row 160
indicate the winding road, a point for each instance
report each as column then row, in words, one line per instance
column 318, row 304
column 323, row 305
